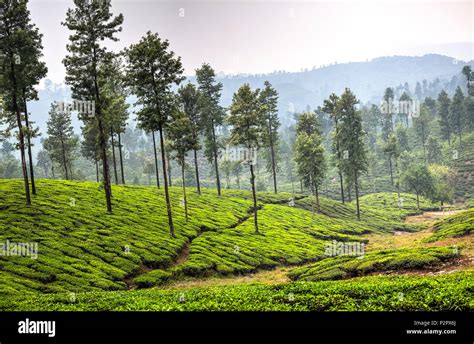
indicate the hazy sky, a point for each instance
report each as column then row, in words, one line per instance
column 263, row 36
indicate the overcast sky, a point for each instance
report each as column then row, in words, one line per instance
column 263, row 36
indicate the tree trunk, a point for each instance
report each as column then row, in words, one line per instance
column 165, row 180
column 63, row 151
column 156, row 160
column 52, row 170
column 197, row 172
column 16, row 109
column 237, row 177
column 121, row 159
column 184, row 192
column 417, row 201
column 338, row 151
column 102, row 140
column 318, row 206
column 272, row 151
column 423, row 141
column 459, row 131
column 341, row 182
column 254, row 194
column 97, row 170
column 28, row 140
column 113, row 155
column 218, row 182
column 105, row 166
column 390, row 167
column 168, row 166
column 356, row 187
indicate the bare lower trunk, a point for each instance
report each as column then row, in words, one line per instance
column 341, row 187
column 318, row 206
column 390, row 166
column 113, row 155
column 216, row 167
column 97, row 170
column 272, row 151
column 63, row 151
column 197, row 172
column 121, row 159
column 16, row 109
column 356, row 187
column 156, row 160
column 254, row 194
column 184, row 192
column 105, row 167
column 165, row 179
column 28, row 140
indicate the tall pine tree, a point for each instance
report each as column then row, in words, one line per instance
column 151, row 72
column 91, row 23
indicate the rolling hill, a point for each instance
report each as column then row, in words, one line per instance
column 84, row 251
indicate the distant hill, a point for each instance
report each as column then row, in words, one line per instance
column 309, row 88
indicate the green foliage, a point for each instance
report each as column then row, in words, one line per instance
column 453, row 226
column 445, row 121
column 341, row 267
column 152, row 278
column 309, row 153
column 61, row 143
column 417, row 178
column 81, row 250
column 451, row 292
column 389, row 201
column 271, row 138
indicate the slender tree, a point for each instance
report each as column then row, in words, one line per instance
column 182, row 141
column 248, row 123
column 421, row 125
column 309, row 153
column 456, row 113
column 444, row 116
column 32, row 72
column 151, row 71
column 91, row 23
column 61, row 142
column 44, row 161
column 352, row 140
column 90, row 148
column 269, row 100
column 212, row 114
column 331, row 107
column 189, row 100
column 13, row 44
column 116, row 107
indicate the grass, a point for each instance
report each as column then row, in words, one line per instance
column 451, row 292
column 460, row 224
column 342, row 267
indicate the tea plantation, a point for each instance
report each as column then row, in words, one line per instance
column 104, row 258
column 451, row 292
